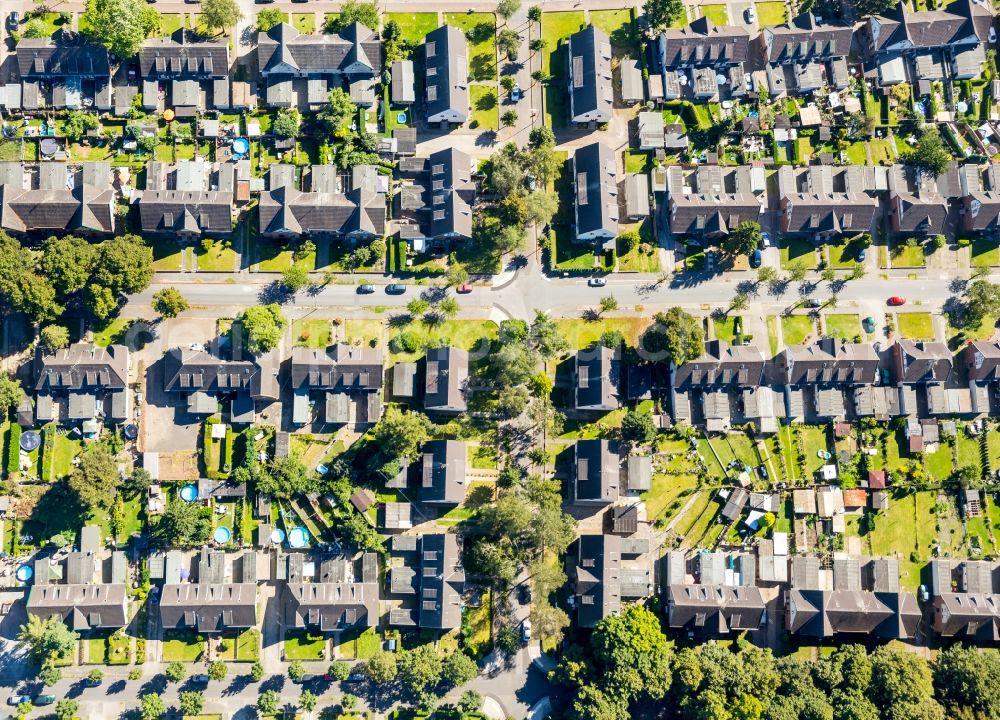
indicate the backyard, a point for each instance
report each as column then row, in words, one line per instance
column 311, row 333
column 414, row 26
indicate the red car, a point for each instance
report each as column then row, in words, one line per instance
column 896, row 300
column 464, row 289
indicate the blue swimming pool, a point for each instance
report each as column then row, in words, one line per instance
column 222, row 535
column 189, row 493
column 298, row 537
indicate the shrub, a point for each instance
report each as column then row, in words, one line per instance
column 13, row 449
column 406, row 342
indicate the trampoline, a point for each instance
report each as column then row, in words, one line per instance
column 130, row 431
column 401, row 118
column 298, row 537
column 241, row 146
column 30, row 441
column 24, row 573
column 222, row 535
column 277, row 536
column 189, row 493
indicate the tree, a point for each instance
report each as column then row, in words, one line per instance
column 901, row 683
column 295, row 277
column 448, row 307
column 873, row 7
column 458, row 669
column 638, row 427
column 629, row 240
column 67, row 709
column 417, row 307
column 169, row 302
column 398, row 434
column 67, row 262
column 767, row 274
column 354, row 11
column 660, row 13
column 124, row 265
column 119, row 25
column 634, row 653
column 296, row 671
column 857, row 272
column 739, row 303
column 339, row 670
column 263, row 325
column 217, row 671
column 339, row 112
column 191, row 702
column 540, row 207
column 182, row 524
column 981, row 298
column 966, row 677
column 77, row 123
column 545, row 336
column 508, row 43
column 175, row 672
column 95, row 676
column 285, row 478
column 929, row 156
column 457, row 274
column 744, row 239
column 220, row 14
column 268, row 702
column 471, row 702
column 593, row 703
column 798, row 272
column 256, row 672
column 607, row 304
column 381, row 668
column 537, row 44
column 151, row 707
column 507, row 8
column 308, row 701
column 50, row 675
column 420, row 669
column 286, row 124
column 509, row 118
column 95, row 477
column 267, row 19
column 535, row 13
column 10, row 394
column 676, row 333
column 36, row 28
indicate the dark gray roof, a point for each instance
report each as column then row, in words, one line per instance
column 341, row 599
column 181, row 211
column 597, row 473
column 703, row 44
column 452, row 193
column 598, row 578
column 403, row 86
column 340, row 367
column 433, row 571
column 207, row 607
column 802, row 38
column 446, row 374
column 590, row 92
column 165, row 58
column 981, row 359
column 46, row 58
column 187, row 370
column 714, row 609
column 594, row 173
column 443, row 470
column 287, row 210
column 722, row 365
column 283, row 50
column 917, row 362
column 446, row 71
column 829, row 361
column 66, row 197
column 597, row 373
column 82, row 607
column 962, row 22
column 83, row 365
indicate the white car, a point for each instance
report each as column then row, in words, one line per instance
column 526, row 631
column 751, row 14
column 597, row 282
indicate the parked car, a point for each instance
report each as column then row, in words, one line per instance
column 199, row 679
column 868, row 324
column 756, row 259
column 13, row 20
column 524, row 593
column 812, row 303
column 356, row 677
column 516, row 94
column 395, row 289
column 765, row 239
column 861, row 254
column 44, row 700
column 762, row 471
column 18, row 699
column 897, row 300
column 525, row 630
column 597, row 282
column 464, row 289
column 366, row 289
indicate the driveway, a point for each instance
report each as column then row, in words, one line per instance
column 167, row 426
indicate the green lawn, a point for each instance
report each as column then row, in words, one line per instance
column 725, row 328
column 572, row 256
column 482, row 47
column 881, row 150
column 796, row 328
column 219, row 256
column 796, row 251
column 311, row 333
column 414, row 26
column 813, row 437
column 856, row 153
column 968, row 451
column 844, row 255
column 485, row 107
column 466, row 334
column 915, row 326
column 558, row 26
column 166, row 255
column 182, row 646
column 618, row 26
column 556, row 29
column 665, row 489
column 789, row 452
column 169, row 24
column 985, row 253
column 66, row 449
column 112, row 332
column 906, row 527
column 846, row 326
column 907, row 256
column 645, row 257
column 304, row 22
column 938, row 463
column 770, row 13
column 304, row 646
column 584, row 334
column 717, row 14
column 363, row 330
column 354, row 645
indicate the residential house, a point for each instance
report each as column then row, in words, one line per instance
column 823, row 201
column 966, row 599
column 651, row 129
column 452, row 195
column 428, row 568
column 186, row 200
column 860, row 596
column 346, row 377
column 446, row 376
column 917, row 204
column 222, row 597
column 981, row 360
column 204, row 379
column 324, row 212
column 921, row 362
column 711, row 201
column 706, row 50
column 736, row 501
column 721, row 369
column 402, row 86
column 64, row 72
column 719, row 603
column 81, row 383
column 186, row 77
column 597, row 472
column 637, row 196
column 596, row 373
column 980, row 197
column 300, row 69
column 609, row 570
column 57, row 197
column 85, row 589
column 829, row 362
column 631, row 81
column 443, row 472
column 589, row 75
column 340, row 593
column 596, row 203
column 446, row 76
column 807, row 53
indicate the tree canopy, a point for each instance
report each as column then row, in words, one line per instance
column 95, row 477
column 660, row 13
column 47, row 640
column 353, row 11
column 220, row 14
column 930, row 155
column 676, row 333
column 262, row 327
column 119, row 25
column 744, row 239
column 169, row 302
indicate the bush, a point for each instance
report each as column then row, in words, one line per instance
column 406, row 342
column 964, row 242
column 13, row 449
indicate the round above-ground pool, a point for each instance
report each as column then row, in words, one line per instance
column 24, row 573
column 241, row 146
column 298, row 537
column 401, row 118
column 30, row 440
column 222, row 535
column 189, row 493
column 277, row 536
